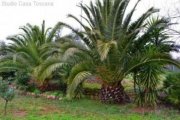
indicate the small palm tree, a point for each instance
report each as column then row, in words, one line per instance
column 30, row 49
column 147, row 77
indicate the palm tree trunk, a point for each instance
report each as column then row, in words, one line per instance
column 113, row 93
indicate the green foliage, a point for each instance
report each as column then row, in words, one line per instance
column 6, row 93
column 147, row 82
column 3, row 50
column 8, row 76
column 81, row 76
column 37, row 92
column 118, row 45
column 22, row 79
column 29, row 49
column 24, row 82
column 172, row 88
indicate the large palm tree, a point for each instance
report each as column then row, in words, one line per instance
column 119, row 45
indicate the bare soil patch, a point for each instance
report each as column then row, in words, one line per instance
column 143, row 110
column 19, row 113
column 49, row 109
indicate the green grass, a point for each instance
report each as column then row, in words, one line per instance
column 92, row 85
column 29, row 108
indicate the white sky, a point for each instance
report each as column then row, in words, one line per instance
column 14, row 15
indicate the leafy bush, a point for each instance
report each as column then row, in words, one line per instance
column 8, row 76
column 23, row 81
column 172, row 88
column 22, row 78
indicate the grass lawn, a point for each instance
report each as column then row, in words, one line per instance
column 29, row 108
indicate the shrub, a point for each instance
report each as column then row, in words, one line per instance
column 9, row 76
column 23, row 81
column 37, row 92
column 7, row 93
column 172, row 89
column 22, row 78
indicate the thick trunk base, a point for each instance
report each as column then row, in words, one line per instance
column 113, row 94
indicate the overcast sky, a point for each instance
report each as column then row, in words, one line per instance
column 16, row 13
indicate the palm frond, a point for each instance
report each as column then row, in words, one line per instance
column 78, row 79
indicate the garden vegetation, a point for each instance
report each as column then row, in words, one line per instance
column 111, row 47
